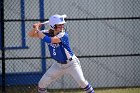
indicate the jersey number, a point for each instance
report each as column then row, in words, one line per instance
column 54, row 53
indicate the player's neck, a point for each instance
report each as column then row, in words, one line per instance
column 56, row 32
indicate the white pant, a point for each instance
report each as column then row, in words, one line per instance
column 57, row 70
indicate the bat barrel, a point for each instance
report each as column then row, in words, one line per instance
column 45, row 22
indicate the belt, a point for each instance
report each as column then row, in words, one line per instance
column 65, row 62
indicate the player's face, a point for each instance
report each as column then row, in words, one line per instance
column 60, row 27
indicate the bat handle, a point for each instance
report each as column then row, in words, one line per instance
column 37, row 30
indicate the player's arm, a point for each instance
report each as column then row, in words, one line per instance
column 55, row 39
column 32, row 33
column 36, row 33
column 47, row 39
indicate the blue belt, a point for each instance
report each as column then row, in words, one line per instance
column 65, row 62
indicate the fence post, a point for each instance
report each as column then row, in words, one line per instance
column 2, row 46
column 43, row 54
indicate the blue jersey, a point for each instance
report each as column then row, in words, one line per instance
column 60, row 51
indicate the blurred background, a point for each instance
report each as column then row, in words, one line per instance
column 104, row 35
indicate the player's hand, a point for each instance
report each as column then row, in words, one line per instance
column 37, row 25
column 33, row 33
column 35, row 30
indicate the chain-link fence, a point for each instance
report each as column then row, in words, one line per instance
column 104, row 34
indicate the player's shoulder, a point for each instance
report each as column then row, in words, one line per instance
column 62, row 34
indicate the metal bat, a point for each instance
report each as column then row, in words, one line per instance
column 44, row 22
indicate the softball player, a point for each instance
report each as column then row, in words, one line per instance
column 60, row 51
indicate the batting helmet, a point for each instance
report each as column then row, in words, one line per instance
column 56, row 19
